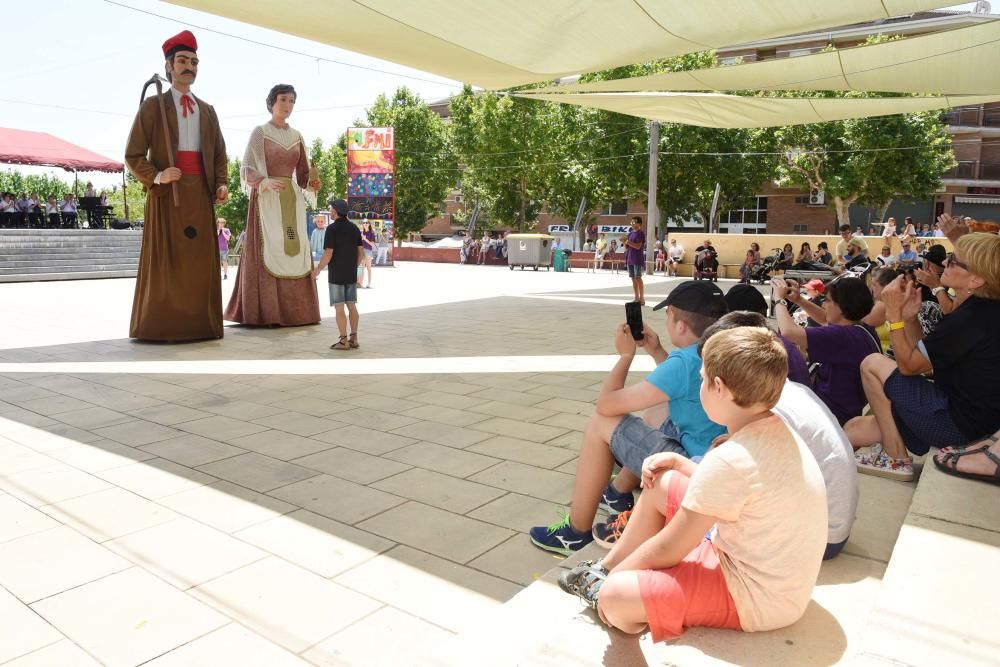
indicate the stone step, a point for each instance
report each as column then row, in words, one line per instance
column 76, row 275
column 56, row 257
column 57, row 268
column 59, row 254
column 940, row 598
column 543, row 626
column 59, row 245
column 57, row 232
column 70, row 262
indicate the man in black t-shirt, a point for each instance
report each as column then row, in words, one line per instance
column 343, row 251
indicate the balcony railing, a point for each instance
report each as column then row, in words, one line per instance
column 965, row 116
column 989, row 171
column 965, row 169
column 991, row 118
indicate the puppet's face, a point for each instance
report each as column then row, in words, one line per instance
column 184, row 69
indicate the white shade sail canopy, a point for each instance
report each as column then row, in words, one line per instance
column 719, row 110
column 953, row 62
column 503, row 43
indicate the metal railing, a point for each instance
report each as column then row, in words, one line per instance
column 989, row 171
column 964, row 169
column 964, row 116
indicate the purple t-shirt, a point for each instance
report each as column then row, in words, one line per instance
column 840, row 349
column 370, row 235
column 636, row 256
column 798, row 371
column 224, row 235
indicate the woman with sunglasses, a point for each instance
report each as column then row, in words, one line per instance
column 962, row 403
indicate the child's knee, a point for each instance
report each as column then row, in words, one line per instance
column 620, row 597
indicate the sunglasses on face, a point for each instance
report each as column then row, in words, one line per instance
column 951, row 261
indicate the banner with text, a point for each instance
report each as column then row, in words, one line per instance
column 371, row 188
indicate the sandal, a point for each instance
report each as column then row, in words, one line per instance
column 341, row 344
column 353, row 341
column 947, row 462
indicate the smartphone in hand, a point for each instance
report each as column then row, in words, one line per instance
column 633, row 316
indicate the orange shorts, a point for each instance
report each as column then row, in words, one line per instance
column 693, row 592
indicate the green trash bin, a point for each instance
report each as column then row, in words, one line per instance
column 559, row 262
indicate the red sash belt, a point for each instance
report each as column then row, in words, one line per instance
column 189, row 162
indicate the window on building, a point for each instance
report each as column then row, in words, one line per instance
column 731, row 60
column 458, row 199
column 800, row 228
column 804, row 199
column 751, row 218
column 615, row 208
column 795, row 53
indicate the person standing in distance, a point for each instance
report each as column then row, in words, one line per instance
column 635, row 258
column 343, row 251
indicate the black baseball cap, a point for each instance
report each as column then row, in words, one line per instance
column 697, row 296
column 936, row 254
column 746, row 297
column 339, row 205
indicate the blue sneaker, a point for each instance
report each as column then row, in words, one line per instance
column 615, row 501
column 560, row 537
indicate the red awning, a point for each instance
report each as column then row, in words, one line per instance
column 44, row 150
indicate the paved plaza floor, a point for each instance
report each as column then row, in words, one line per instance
column 263, row 500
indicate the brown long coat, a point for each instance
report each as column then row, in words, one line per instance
column 178, row 294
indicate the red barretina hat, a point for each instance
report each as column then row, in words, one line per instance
column 182, row 41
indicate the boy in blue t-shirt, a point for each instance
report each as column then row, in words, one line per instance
column 674, row 420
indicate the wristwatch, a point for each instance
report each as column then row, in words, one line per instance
column 937, row 290
column 784, row 302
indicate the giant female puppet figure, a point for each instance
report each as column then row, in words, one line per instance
column 178, row 294
column 273, row 283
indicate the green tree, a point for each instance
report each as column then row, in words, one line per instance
column 506, row 145
column 425, row 164
column 687, row 171
column 42, row 185
column 331, row 165
column 858, row 161
column 234, row 210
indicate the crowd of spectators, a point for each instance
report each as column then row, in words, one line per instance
column 746, row 443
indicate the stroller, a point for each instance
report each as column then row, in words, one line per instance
column 706, row 265
column 761, row 273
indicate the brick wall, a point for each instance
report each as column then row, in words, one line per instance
column 783, row 213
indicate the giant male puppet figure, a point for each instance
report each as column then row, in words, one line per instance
column 178, row 293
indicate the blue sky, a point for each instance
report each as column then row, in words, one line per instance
column 96, row 54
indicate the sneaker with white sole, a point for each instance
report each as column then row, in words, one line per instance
column 615, row 501
column 876, row 462
column 560, row 537
column 584, row 581
column 607, row 534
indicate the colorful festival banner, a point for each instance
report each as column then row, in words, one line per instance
column 371, row 186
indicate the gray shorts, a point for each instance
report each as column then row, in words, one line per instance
column 633, row 440
column 343, row 294
column 224, row 255
column 635, row 270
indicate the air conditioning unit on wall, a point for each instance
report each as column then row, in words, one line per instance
column 817, row 198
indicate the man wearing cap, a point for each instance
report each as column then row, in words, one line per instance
column 343, row 251
column 178, row 294
column 674, row 419
column 931, row 289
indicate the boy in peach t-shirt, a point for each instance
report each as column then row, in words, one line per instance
column 760, row 493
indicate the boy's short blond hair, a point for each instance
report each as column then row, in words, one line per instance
column 752, row 363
